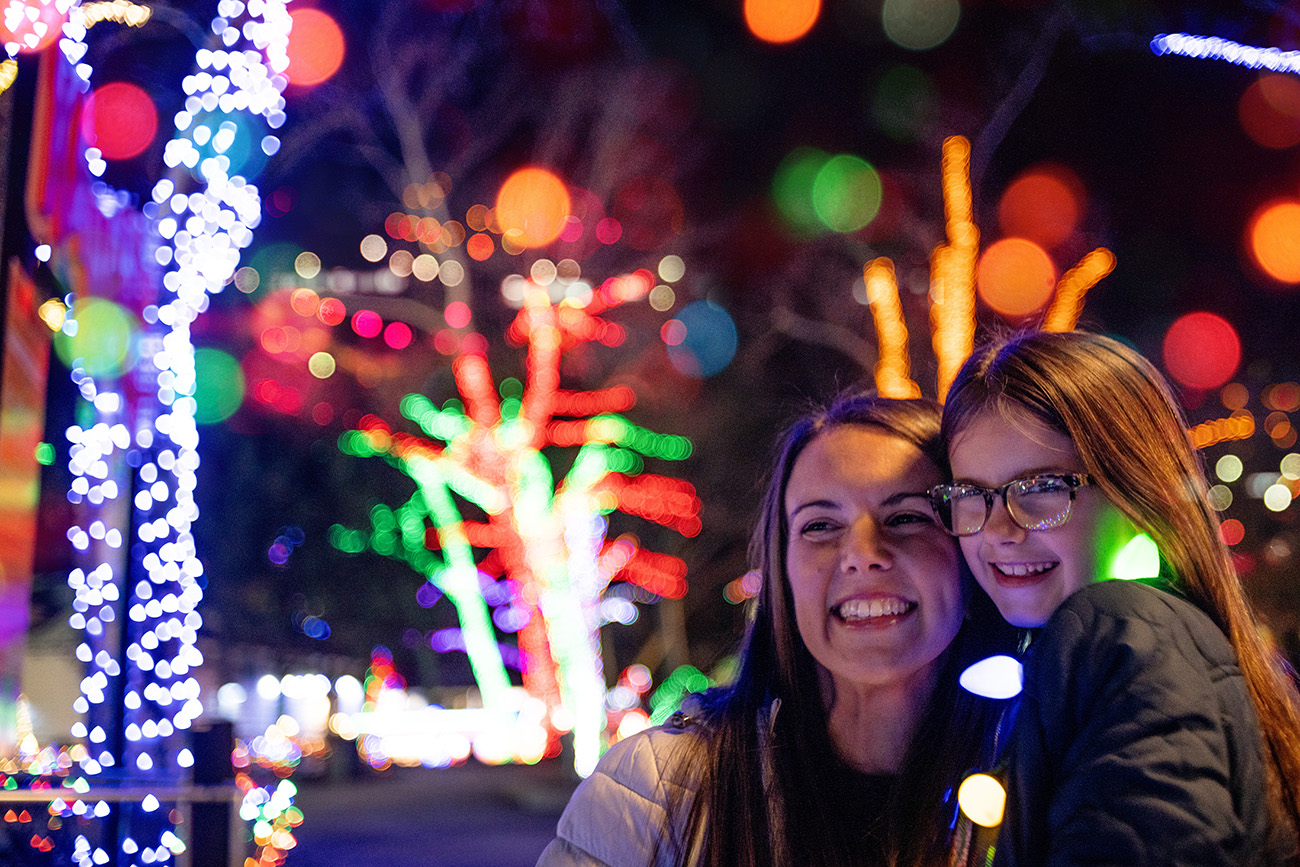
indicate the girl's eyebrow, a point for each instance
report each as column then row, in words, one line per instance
column 1051, row 469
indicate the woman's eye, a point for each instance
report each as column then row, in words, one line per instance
column 817, row 526
column 906, row 518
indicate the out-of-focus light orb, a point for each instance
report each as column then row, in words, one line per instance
column 1277, row 497
column 373, row 248
column 1273, row 235
column 920, row 24
column 120, row 119
column 322, row 365
column 662, row 298
column 1137, row 560
column 1269, row 111
column 709, row 343
column 780, row 21
column 1290, row 466
column 332, row 311
column 792, row 188
column 1283, row 396
column 1235, row 396
column 33, row 24
column 534, row 203
column 367, row 323
column 1044, row 204
column 1232, row 531
column 457, row 314
column 543, row 272
column 451, row 273
column 1228, row 468
column 425, row 267
column 1220, row 497
column 1015, row 277
column 903, row 102
column 397, row 335
column 307, row 265
column 234, row 135
column 247, row 280
column 304, row 302
column 52, row 313
column 401, row 263
column 480, row 246
column 316, row 48
column 672, row 268
column 219, row 386
column 982, row 799
column 846, row 193
column 1201, row 350
column 102, row 339
column 997, row 677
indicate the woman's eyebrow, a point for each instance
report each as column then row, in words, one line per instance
column 814, row 504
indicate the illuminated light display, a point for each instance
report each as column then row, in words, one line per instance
column 1201, row 350
column 218, row 385
column 1015, row 277
column 1269, row 111
column 548, row 537
column 983, row 799
column 1137, row 560
column 846, row 193
column 8, row 73
column 997, row 677
column 1215, row 48
column 667, row 697
column 96, row 336
column 120, row 120
column 119, row 11
column 29, row 26
column 952, row 268
column 792, row 187
column 1067, row 303
column 1043, row 204
column 533, row 204
column 315, row 49
column 920, row 25
column 781, row 21
column 1238, row 426
column 1270, row 236
column 893, row 369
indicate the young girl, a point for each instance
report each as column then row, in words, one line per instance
column 845, row 729
column 1154, row 726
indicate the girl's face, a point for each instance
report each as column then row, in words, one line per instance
column 1028, row 573
column 875, row 579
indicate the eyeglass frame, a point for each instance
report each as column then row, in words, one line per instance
column 1074, row 481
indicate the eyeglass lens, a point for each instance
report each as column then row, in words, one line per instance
column 1035, row 504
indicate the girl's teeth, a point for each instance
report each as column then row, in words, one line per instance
column 1023, row 569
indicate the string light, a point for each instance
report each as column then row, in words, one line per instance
column 893, row 370
column 1216, row 48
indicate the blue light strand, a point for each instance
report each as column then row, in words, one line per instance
column 1217, row 48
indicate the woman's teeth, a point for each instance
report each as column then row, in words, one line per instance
column 866, row 609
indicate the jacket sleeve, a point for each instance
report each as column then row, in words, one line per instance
column 1136, row 742
column 631, row 811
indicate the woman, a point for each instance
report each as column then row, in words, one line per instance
column 843, row 734
column 1155, row 727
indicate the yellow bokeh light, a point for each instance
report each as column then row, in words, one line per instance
column 781, row 21
column 321, row 365
column 1274, row 240
column 662, row 298
column 535, row 203
column 307, row 264
column 982, row 799
column 373, row 248
column 672, row 268
column 425, row 267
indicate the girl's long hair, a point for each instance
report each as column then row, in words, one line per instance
column 766, row 796
column 1127, row 427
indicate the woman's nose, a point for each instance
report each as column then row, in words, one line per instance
column 866, row 548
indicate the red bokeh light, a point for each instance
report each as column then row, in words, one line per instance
column 1044, row 204
column 120, row 119
column 1202, row 350
column 39, row 24
column 397, row 335
column 316, row 48
column 331, row 311
column 1231, row 531
column 367, row 323
column 457, row 314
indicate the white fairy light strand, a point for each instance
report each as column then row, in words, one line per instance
column 1216, row 48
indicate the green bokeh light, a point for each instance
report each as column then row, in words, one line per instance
column 846, row 193
column 105, row 333
column 1139, row 559
column 903, row 103
column 218, row 385
column 792, row 189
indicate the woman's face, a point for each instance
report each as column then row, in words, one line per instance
column 1028, row 573
column 876, row 581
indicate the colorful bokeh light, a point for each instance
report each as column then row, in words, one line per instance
column 1202, row 350
column 532, row 205
column 1269, row 111
column 709, row 340
column 846, row 193
column 367, row 323
column 32, row 24
column 218, row 385
column 792, row 188
column 316, row 48
column 1015, row 277
column 780, row 21
column 1273, row 238
column 1043, row 204
column 98, row 338
column 120, row 119
column 920, row 24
